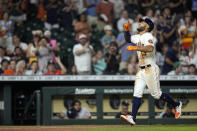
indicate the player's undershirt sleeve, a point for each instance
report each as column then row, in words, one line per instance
column 127, row 36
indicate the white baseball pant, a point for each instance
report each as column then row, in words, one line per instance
column 150, row 77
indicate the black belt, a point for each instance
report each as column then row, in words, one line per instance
column 143, row 67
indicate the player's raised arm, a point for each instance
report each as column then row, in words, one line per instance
column 127, row 34
column 148, row 48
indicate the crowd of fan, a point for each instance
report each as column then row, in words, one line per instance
column 175, row 35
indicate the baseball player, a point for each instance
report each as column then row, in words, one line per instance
column 148, row 72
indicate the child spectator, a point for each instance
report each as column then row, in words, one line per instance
column 34, row 69
column 191, row 69
column 20, row 67
column 177, row 69
column 107, row 38
column 51, row 70
column 99, row 64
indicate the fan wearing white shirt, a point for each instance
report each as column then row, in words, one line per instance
column 16, row 42
column 83, row 55
column 123, row 20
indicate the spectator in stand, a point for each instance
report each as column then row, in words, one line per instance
column 149, row 14
column 160, row 56
column 52, row 15
column 169, row 32
column 41, row 11
column 80, row 6
column 177, row 69
column 187, row 31
column 135, row 23
column 34, row 69
column 4, row 66
column 184, row 60
column 176, row 6
column 73, row 70
column 147, row 4
column 51, row 70
column 159, row 32
column 99, row 64
column 82, row 27
column 118, row 8
column 18, row 52
column 6, row 29
column 68, row 14
column 44, row 53
column 188, row 14
column 160, row 23
column 4, row 6
column 107, row 38
column 11, row 69
column 91, row 13
column 16, row 42
column 166, row 12
column 125, row 54
column 20, row 67
column 105, row 13
column 112, row 59
column 193, row 52
column 2, row 54
column 163, row 3
column 191, row 69
column 17, row 12
column 52, row 44
column 123, row 20
column 32, row 49
column 82, row 55
column 170, row 58
column 32, row 10
column 132, row 67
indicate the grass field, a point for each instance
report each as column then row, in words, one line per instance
column 102, row 128
column 146, row 128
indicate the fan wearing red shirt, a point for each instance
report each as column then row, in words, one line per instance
column 12, row 68
column 51, row 68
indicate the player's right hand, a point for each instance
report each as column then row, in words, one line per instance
column 127, row 26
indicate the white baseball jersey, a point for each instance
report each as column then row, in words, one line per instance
column 150, row 75
column 144, row 40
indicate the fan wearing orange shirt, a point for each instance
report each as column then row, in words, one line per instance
column 12, row 68
column 51, row 68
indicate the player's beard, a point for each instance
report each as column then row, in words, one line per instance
column 140, row 29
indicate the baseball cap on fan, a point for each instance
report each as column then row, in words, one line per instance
column 107, row 27
column 149, row 22
column 82, row 36
column 47, row 32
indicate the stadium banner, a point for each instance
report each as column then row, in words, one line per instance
column 92, row 78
